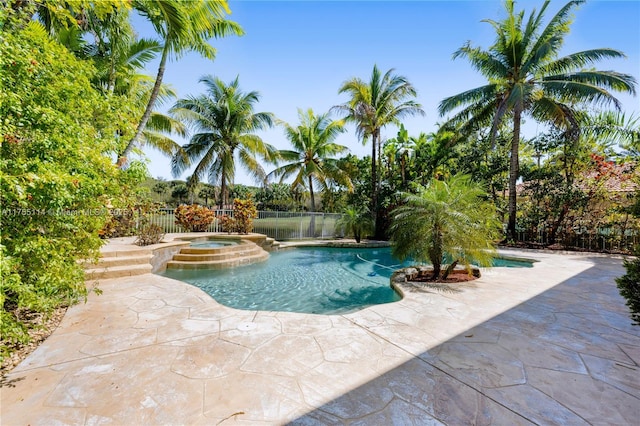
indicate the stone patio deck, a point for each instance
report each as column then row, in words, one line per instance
column 546, row 345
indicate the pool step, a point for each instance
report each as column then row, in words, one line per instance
column 243, row 253
column 218, row 264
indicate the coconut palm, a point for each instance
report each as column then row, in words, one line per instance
column 446, row 219
column 381, row 101
column 527, row 76
column 311, row 160
column 225, row 124
column 182, row 26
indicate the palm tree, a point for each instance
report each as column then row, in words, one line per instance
column 446, row 219
column 526, row 76
column 355, row 220
column 381, row 101
column 313, row 148
column 182, row 26
column 225, row 123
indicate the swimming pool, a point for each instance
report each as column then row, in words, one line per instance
column 318, row 280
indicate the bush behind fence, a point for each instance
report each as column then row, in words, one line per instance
column 604, row 240
column 301, row 225
column 274, row 224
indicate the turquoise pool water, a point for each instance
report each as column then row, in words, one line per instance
column 212, row 244
column 310, row 280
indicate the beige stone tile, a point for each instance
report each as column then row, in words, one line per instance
column 285, row 356
column 294, row 323
column 58, row 348
column 632, row 351
column 183, row 328
column 398, row 412
column 534, row 405
column 411, row 339
column 250, row 332
column 119, row 340
column 265, row 398
column 210, row 359
column 625, row 377
column 533, row 353
column 349, row 345
column 593, row 400
column 160, row 317
column 483, row 364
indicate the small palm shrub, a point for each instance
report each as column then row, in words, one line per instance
column 629, row 286
column 355, row 221
column 194, row 218
column 450, row 219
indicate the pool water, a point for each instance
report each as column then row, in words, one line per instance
column 212, row 244
column 309, row 280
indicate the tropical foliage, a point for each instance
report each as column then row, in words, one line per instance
column 182, row 27
column 194, row 218
column 526, row 75
column 56, row 176
column 224, row 123
column 629, row 286
column 312, row 158
column 355, row 221
column 373, row 105
column 448, row 219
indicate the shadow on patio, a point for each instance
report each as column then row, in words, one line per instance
column 566, row 356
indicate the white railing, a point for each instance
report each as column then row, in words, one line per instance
column 274, row 224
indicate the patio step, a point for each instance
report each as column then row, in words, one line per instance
column 128, row 270
column 113, row 261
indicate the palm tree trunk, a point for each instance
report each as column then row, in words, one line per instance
column 122, row 158
column 224, row 196
column 312, row 222
column 374, row 184
column 513, row 173
column 311, row 195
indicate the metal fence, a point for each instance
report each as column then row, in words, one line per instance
column 603, row 241
column 274, row 224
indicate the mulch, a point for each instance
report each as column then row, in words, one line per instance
column 40, row 327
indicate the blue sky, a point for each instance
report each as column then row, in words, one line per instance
column 296, row 54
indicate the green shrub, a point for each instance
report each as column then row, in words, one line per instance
column 244, row 211
column 56, row 175
column 629, row 286
column 448, row 219
column 194, row 218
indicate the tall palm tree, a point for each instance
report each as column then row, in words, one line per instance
column 182, row 26
column 527, row 76
column 313, row 148
column 224, row 123
column 381, row 101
